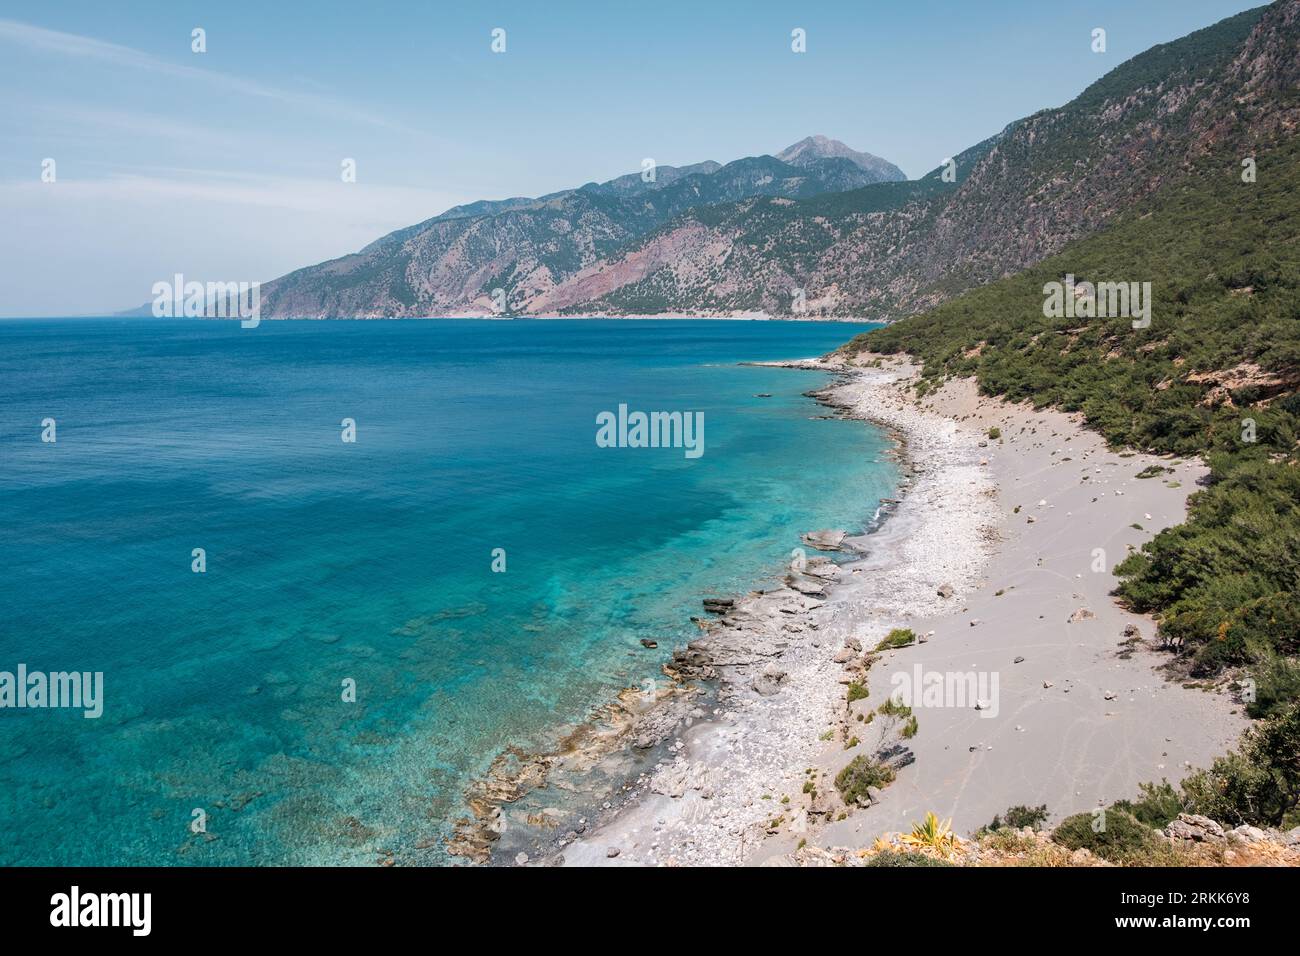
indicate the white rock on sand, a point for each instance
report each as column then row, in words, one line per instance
column 1045, row 737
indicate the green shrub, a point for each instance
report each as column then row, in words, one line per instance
column 862, row 772
column 1121, row 838
column 1158, row 806
column 857, row 691
column 1277, row 685
column 995, row 433
column 892, row 708
column 1006, row 840
column 1018, row 817
column 1152, row 471
column 898, row 637
column 901, row 858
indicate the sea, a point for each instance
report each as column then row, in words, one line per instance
column 326, row 571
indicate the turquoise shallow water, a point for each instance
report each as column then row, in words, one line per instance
column 370, row 561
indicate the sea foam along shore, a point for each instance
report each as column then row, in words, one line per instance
column 1011, row 526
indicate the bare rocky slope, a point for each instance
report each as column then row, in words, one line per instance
column 453, row 263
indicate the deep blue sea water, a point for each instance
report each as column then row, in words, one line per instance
column 369, row 561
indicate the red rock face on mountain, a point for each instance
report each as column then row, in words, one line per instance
column 823, row 230
column 477, row 258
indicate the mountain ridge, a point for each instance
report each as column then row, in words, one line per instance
column 766, row 236
column 524, row 246
column 1040, row 183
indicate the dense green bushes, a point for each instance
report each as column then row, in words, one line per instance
column 1225, row 582
column 1223, row 261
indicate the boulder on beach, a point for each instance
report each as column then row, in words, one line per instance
column 806, row 585
column 822, row 568
column 691, row 663
column 769, row 679
column 827, row 540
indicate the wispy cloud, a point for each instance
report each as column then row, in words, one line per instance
column 84, row 47
column 385, row 207
column 81, row 121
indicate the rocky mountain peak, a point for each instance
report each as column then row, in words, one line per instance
column 811, row 149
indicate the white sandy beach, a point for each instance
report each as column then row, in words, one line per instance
column 1080, row 717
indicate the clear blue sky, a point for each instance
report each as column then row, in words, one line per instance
column 225, row 165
